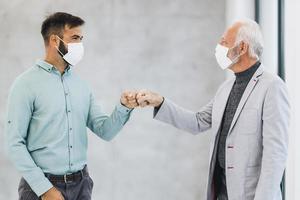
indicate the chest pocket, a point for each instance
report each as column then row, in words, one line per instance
column 247, row 122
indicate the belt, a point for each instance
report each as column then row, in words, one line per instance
column 67, row 178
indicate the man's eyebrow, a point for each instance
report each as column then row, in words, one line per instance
column 77, row 36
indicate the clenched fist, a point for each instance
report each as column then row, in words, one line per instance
column 148, row 98
column 128, row 99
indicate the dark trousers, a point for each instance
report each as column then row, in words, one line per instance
column 80, row 189
column 220, row 183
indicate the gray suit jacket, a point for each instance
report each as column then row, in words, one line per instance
column 257, row 142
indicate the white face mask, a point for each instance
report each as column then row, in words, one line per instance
column 74, row 54
column 221, row 57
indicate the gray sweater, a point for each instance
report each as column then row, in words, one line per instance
column 240, row 84
column 236, row 93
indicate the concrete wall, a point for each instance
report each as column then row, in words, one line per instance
column 167, row 46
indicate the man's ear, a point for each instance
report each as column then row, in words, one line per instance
column 243, row 48
column 53, row 41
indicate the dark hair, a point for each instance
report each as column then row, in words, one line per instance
column 55, row 24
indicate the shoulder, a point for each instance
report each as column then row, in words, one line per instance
column 272, row 81
column 25, row 79
column 22, row 85
column 275, row 88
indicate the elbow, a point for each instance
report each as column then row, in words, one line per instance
column 199, row 129
column 107, row 138
column 9, row 147
column 111, row 133
column 195, row 132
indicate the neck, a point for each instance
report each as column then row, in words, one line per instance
column 57, row 62
column 243, row 65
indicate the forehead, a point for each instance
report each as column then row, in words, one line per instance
column 230, row 34
column 73, row 31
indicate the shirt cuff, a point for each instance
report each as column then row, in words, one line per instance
column 41, row 187
column 124, row 109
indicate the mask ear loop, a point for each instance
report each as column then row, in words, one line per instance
column 59, row 51
column 58, row 48
column 256, row 56
column 61, row 40
column 234, row 61
column 238, row 56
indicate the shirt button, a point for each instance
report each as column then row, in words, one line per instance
column 71, row 147
column 71, row 164
column 66, row 94
column 70, row 129
column 9, row 122
column 69, row 111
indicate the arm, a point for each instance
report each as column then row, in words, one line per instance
column 107, row 127
column 19, row 111
column 276, row 116
column 168, row 112
column 193, row 122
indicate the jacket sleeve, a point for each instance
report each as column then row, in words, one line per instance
column 193, row 122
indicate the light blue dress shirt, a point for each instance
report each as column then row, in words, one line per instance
column 47, row 116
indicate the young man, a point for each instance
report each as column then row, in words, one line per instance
column 49, row 108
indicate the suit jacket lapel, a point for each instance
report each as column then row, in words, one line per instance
column 220, row 104
column 252, row 83
column 223, row 102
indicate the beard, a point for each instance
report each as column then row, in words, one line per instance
column 62, row 48
column 62, row 51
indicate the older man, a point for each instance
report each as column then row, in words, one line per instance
column 249, row 117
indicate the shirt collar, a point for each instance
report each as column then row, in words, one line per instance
column 49, row 67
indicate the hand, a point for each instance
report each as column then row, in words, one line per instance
column 128, row 99
column 148, row 98
column 52, row 194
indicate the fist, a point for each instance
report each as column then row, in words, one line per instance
column 128, row 99
column 52, row 194
column 148, row 98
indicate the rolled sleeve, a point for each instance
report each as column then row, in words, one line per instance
column 107, row 127
column 19, row 112
column 123, row 109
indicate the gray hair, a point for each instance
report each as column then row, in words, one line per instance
column 250, row 33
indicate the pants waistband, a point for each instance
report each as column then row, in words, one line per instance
column 67, row 178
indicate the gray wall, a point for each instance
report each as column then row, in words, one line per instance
column 166, row 46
